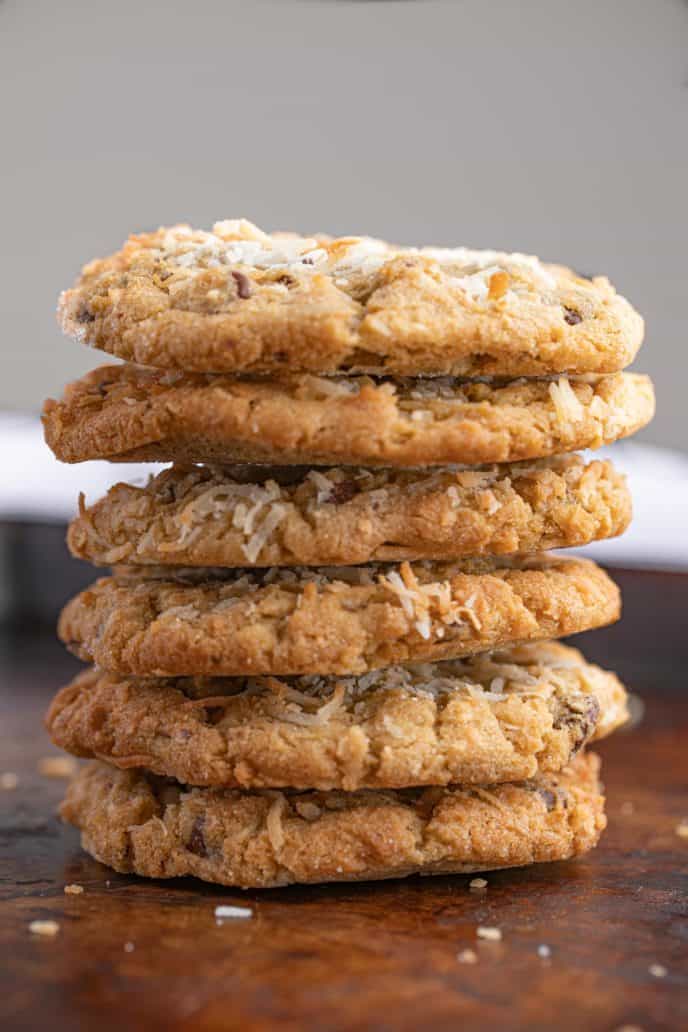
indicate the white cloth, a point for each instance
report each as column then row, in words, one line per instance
column 35, row 487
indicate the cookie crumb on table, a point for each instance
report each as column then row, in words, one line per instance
column 73, row 890
column 657, row 970
column 489, row 934
column 8, row 780
column 682, row 829
column 477, row 883
column 57, row 766
column 48, row 929
column 226, row 912
column 467, row 957
column 544, row 951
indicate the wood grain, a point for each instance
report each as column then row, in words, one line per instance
column 374, row 957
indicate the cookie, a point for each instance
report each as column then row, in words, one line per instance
column 238, row 300
column 502, row 716
column 141, row 824
column 335, row 620
column 126, row 413
column 197, row 516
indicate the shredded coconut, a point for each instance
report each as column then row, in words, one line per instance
column 239, row 242
column 569, row 408
column 323, row 485
column 262, row 535
column 274, row 824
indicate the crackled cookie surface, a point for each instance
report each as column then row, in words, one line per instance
column 125, row 412
column 197, row 516
column 138, row 823
column 501, row 716
column 240, row 300
column 332, row 620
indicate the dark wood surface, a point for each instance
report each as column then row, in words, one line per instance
column 380, row 956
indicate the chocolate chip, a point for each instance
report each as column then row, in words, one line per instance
column 307, row 261
column 549, row 798
column 571, row 316
column 196, row 843
column 286, row 280
column 243, row 284
column 342, row 492
column 580, row 723
column 85, row 315
column 166, row 493
column 213, row 714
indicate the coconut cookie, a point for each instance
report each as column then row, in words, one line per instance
column 502, row 716
column 197, row 516
column 139, row 823
column 239, row 300
column 332, row 620
column 126, row 413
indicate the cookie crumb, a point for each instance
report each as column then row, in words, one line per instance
column 467, row 957
column 57, row 766
column 657, row 970
column 8, row 780
column 73, row 889
column 627, row 808
column 629, row 1028
column 544, row 951
column 490, row 934
column 682, row 829
column 477, row 883
column 45, row 928
column 128, row 947
column 229, row 913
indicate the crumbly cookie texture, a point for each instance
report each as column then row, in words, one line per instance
column 335, row 620
column 240, row 300
column 502, row 716
column 126, row 413
column 138, row 823
column 198, row 516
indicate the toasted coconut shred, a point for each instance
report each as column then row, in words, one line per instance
column 315, row 700
column 421, row 601
column 256, row 513
column 274, row 824
column 569, row 408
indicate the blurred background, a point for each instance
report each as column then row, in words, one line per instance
column 544, row 126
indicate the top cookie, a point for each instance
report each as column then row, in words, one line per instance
column 239, row 300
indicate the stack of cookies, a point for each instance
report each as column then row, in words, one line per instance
column 324, row 652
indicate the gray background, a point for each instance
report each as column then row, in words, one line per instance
column 544, row 126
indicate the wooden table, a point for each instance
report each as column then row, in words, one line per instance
column 132, row 954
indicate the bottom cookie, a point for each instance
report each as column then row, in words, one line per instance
column 139, row 823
